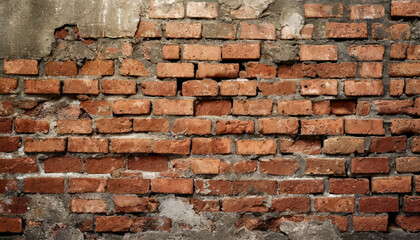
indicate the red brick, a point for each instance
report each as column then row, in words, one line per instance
column 192, row 126
column 415, row 144
column 277, row 88
column 390, row 31
column 349, row 186
column 260, row 107
column 329, row 10
column 391, row 184
column 11, row 225
column 406, row 70
column 410, row 223
column 318, row 53
column 303, row 146
column 255, row 187
column 175, row 70
column 396, row 87
column 159, row 88
column 180, row 185
column 88, row 145
column 96, row 107
column 173, row 107
column 388, row 144
column 98, row 67
column 214, row 187
column 15, row 205
column 200, row 88
column 405, row 9
column 412, row 86
column 20, row 67
column 129, row 203
column 321, row 107
column 413, row 52
column 371, row 70
column 374, row 223
column 114, row 125
column 238, row 88
column 265, row 31
column 322, row 127
column 343, row 107
column 404, row 126
column 31, row 126
column 104, row 165
column 255, row 69
column 6, row 125
column 217, row 70
column 206, row 146
column 318, row 87
column 291, row 204
column 8, row 85
column 67, row 68
column 219, row 31
column 278, row 126
column 63, row 164
column 45, row 145
column 298, row 70
column 408, row 164
column 8, row 185
column 365, row 126
column 241, row 51
column 325, row 166
column 180, row 147
column 42, row 86
column 303, row 186
column 9, row 144
column 183, row 30
column 411, row 204
column 205, row 206
column 201, row 52
column 279, row 166
column 148, row 29
column 113, row 223
column 334, row 204
column 260, row 147
column 132, row 106
column 118, row 87
column 6, row 108
column 378, row 204
column 171, row 52
column 366, row 52
column 369, row 165
column 85, row 185
column 346, row 30
column 128, row 186
column 394, row 106
column 150, row 125
column 344, row 145
column 142, row 224
column 44, row 185
column 18, row 165
column 131, row 145
column 245, row 167
column 234, row 127
column 80, row 86
column 205, row 166
column 363, row 88
column 399, row 50
column 371, row 11
column 148, row 163
column 77, row 126
column 244, row 204
column 87, row 206
column 133, row 67
column 336, row 70
column 294, row 107
column 417, row 183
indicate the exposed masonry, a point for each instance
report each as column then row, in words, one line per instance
column 233, row 119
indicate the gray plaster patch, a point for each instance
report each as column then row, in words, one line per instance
column 47, row 208
column 310, row 230
column 27, row 26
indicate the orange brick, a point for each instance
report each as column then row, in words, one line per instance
column 261, row 107
column 404, row 126
column 219, row 31
column 206, row 146
column 343, row 107
column 260, row 147
column 213, row 107
column 132, row 106
column 98, row 67
column 148, row 163
column 366, row 52
column 349, row 186
column 183, row 30
column 278, row 126
column 388, row 144
column 399, row 50
column 87, row 206
column 31, row 126
column 302, row 186
column 318, row 53
column 413, row 52
column 298, row 70
column 67, row 68
column 192, row 126
column 171, row 52
column 238, row 88
column 20, row 67
column 334, row 204
column 77, row 126
column 150, row 125
column 119, row 87
column 217, row 70
column 277, row 88
column 234, row 127
column 103, row 165
column 241, row 51
column 205, row 166
column 346, row 30
column 318, row 87
column 45, row 145
column 390, row 31
column 175, row 70
column 128, row 186
column 370, row 165
column 133, row 67
column 363, row 88
column 325, row 166
column 255, row 187
column 265, row 31
column 148, row 29
column 135, row 204
column 404, row 69
column 96, row 107
column 291, row 204
column 200, row 88
column 322, row 127
column 408, row 164
column 412, row 86
column 173, row 107
column 391, row 184
column 180, row 147
column 255, row 69
column 371, row 70
column 294, row 107
column 405, row 9
column 88, row 145
column 18, row 165
column 113, row 125
column 344, row 145
column 81, row 86
column 201, row 52
column 244, row 205
column 378, row 204
column 279, row 166
column 133, row 145
column 42, row 86
column 336, row 70
column 375, row 223
column 180, row 185
column 365, row 126
column 8, row 85
column 303, row 146
column 159, row 88
column 206, row 10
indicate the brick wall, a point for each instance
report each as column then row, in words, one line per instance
column 202, row 108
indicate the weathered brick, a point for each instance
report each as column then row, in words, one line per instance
column 180, row 147
column 318, row 87
column 412, row 86
column 9, row 144
column 374, row 223
column 399, row 50
column 238, row 88
column 166, row 9
column 344, row 145
column 88, row 145
column 180, row 185
column 370, row 11
column 413, row 52
column 135, row 204
column 81, row 86
column 31, row 126
column 260, row 107
column 343, row 107
column 302, row 186
column 411, row 204
column 364, row 88
column 408, row 164
column 126, row 87
column 201, row 52
column 183, row 30
column 388, row 144
column 369, row 165
column 98, row 67
column 128, row 186
column 77, row 126
column 6, row 125
column 255, row 187
column 404, row 70
column 8, row 85
column 365, row 126
column 205, row 206
column 67, row 68
column 245, row 167
column 255, row 70
column 206, row 146
column 390, row 31
column 20, row 67
column 291, row 204
column 378, row 204
column 322, row 127
column 264, row 31
column 213, row 187
column 200, row 88
column 371, row 70
column 133, row 67
column 171, row 52
column 241, row 51
column 42, row 86
column 131, row 145
column 8, row 185
column 202, row 10
column 334, row 204
column 405, row 9
column 415, row 144
column 213, row 107
column 366, row 52
column 234, row 127
column 303, row 146
column 403, row 126
column 410, row 223
column 150, row 125
column 175, row 70
column 217, row 70
column 244, row 204
column 63, row 164
column 192, row 126
column 113, row 125
column 87, row 206
column 346, row 30
column 15, row 205
column 278, row 126
column 336, row 70
column 321, row 107
column 11, row 225
column 113, row 223
column 104, row 165
column 148, row 163
column 349, row 186
column 205, row 166
column 394, row 106
column 325, row 166
column 85, row 185
column 132, row 106
column 277, row 88
column 6, row 108
column 219, row 31
column 391, row 184
column 45, row 145
column 329, row 10
column 260, row 147
column 44, row 185
column 318, row 53
column 159, row 88
column 173, row 107
column 96, row 107
column 279, row 166
column 148, row 29
column 298, row 70
column 294, row 107
column 18, row 165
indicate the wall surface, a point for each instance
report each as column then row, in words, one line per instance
column 229, row 119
